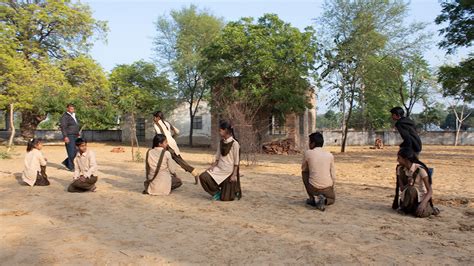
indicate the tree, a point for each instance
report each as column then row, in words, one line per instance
column 90, row 92
column 460, row 30
column 358, row 35
column 433, row 114
column 41, row 33
column 259, row 68
column 180, row 43
column 457, row 80
column 139, row 88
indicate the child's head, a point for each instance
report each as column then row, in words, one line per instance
column 316, row 140
column 81, row 145
column 397, row 113
column 406, row 157
column 160, row 141
column 158, row 115
column 34, row 144
column 225, row 129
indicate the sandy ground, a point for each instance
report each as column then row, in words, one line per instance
column 270, row 225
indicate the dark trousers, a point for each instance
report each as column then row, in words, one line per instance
column 180, row 161
column 410, row 204
column 82, row 186
column 312, row 191
column 42, row 178
column 175, row 182
column 228, row 189
column 71, row 152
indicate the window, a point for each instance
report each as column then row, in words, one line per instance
column 197, row 122
column 276, row 128
column 140, row 128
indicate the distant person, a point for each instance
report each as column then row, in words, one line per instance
column 34, row 173
column 319, row 174
column 222, row 179
column 160, row 169
column 164, row 127
column 70, row 131
column 414, row 182
column 407, row 129
column 85, row 173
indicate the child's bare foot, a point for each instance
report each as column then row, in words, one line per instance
column 93, row 189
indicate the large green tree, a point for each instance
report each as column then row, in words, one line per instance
column 139, row 89
column 41, row 33
column 259, row 68
column 359, row 39
column 457, row 81
column 180, row 42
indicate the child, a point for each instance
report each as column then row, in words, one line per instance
column 85, row 169
column 407, row 129
column 160, row 169
column 415, row 186
column 35, row 165
column 318, row 173
column 222, row 179
column 164, row 127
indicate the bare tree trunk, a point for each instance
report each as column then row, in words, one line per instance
column 29, row 123
column 12, row 128
column 132, row 134
column 346, row 129
column 191, row 116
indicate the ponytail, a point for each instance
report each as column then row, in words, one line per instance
column 32, row 143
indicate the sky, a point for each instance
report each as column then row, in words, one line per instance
column 131, row 25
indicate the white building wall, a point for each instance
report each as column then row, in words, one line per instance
column 179, row 117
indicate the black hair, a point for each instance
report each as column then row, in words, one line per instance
column 397, row 111
column 80, row 141
column 410, row 155
column 316, row 139
column 32, row 144
column 226, row 125
column 69, row 105
column 158, row 139
column 159, row 114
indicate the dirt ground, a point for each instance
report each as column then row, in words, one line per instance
column 270, row 225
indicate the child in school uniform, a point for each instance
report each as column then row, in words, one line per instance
column 222, row 180
column 85, row 171
column 34, row 173
column 160, row 168
column 319, row 174
column 414, row 184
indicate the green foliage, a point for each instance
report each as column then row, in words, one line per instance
column 330, row 120
column 458, row 81
column 36, row 37
column 270, row 60
column 460, row 30
column 369, row 53
column 180, row 43
column 5, row 155
column 139, row 88
column 432, row 115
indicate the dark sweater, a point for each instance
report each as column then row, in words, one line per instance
column 407, row 129
column 68, row 125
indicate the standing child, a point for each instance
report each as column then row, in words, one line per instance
column 164, row 127
column 222, row 179
column 415, row 186
column 160, row 169
column 318, row 173
column 85, row 164
column 34, row 173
